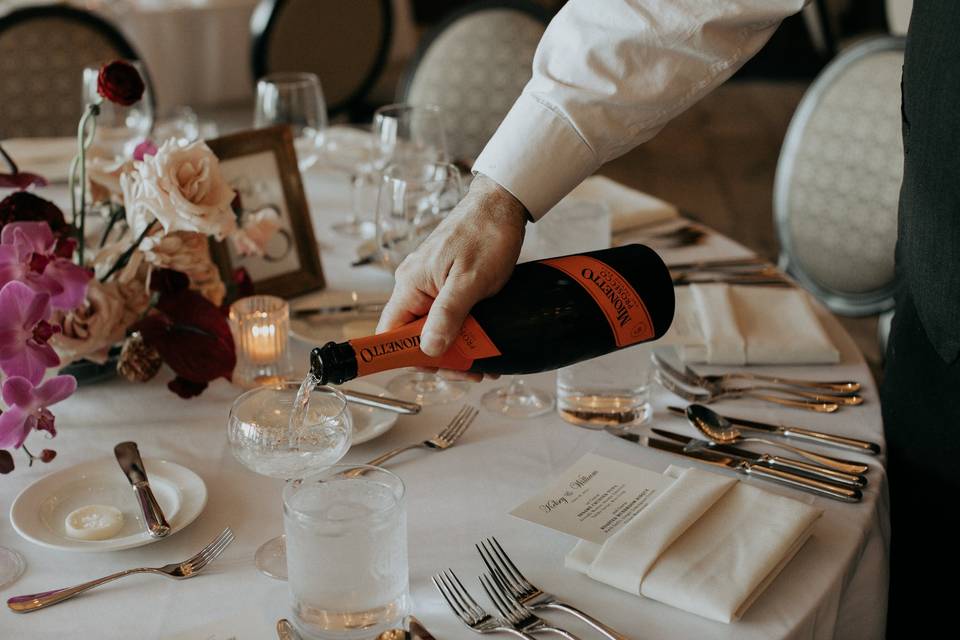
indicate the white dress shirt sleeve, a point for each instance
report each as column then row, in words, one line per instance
column 608, row 75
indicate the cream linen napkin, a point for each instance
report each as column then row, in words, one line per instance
column 709, row 545
column 628, row 207
column 731, row 325
column 47, row 157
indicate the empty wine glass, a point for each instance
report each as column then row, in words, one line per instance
column 518, row 400
column 119, row 129
column 413, row 199
column 11, row 566
column 263, row 439
column 294, row 99
column 406, row 133
column 349, row 151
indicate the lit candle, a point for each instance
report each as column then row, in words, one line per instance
column 261, row 326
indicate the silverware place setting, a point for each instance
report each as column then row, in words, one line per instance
column 467, row 610
column 708, row 397
column 188, row 568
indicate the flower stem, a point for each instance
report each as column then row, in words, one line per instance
column 125, row 256
column 78, row 170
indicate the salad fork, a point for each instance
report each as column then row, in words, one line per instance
column 443, row 440
column 521, row 617
column 178, row 571
column 500, row 564
column 708, row 397
column 466, row 608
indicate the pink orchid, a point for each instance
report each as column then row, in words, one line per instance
column 24, row 332
column 28, row 407
column 29, row 253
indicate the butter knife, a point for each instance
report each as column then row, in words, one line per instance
column 129, row 458
column 816, row 487
column 381, row 402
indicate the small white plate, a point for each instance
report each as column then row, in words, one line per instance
column 319, row 329
column 368, row 423
column 39, row 512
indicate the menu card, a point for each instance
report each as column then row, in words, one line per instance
column 594, row 498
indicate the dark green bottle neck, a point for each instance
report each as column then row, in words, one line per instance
column 333, row 363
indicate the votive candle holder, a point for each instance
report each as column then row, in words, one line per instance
column 261, row 332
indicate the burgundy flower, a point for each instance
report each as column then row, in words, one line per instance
column 21, row 180
column 23, row 206
column 193, row 338
column 120, row 82
column 47, row 455
column 168, row 281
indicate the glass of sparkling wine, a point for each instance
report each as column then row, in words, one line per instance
column 346, row 532
column 288, row 430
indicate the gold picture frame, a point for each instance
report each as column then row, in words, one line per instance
column 261, row 165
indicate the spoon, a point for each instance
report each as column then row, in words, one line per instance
column 718, row 429
column 285, row 630
column 417, row 632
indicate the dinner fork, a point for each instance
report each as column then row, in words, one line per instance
column 690, row 378
column 499, row 563
column 466, row 608
column 178, row 571
column 708, row 397
column 521, row 617
column 839, row 387
column 443, row 440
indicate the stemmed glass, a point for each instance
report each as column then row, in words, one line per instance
column 414, row 197
column 11, row 566
column 294, row 99
column 518, row 400
column 263, row 439
column 119, row 129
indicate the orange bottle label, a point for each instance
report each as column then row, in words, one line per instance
column 621, row 304
column 401, row 348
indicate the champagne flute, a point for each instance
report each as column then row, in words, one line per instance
column 294, row 99
column 413, row 199
column 263, row 439
column 119, row 129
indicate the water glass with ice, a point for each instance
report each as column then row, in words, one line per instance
column 346, row 533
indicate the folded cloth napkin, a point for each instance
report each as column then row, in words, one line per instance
column 709, row 545
column 47, row 157
column 737, row 325
column 629, row 208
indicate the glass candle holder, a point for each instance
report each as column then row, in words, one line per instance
column 261, row 330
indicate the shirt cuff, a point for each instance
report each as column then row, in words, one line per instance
column 536, row 155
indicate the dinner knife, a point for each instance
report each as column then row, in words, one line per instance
column 816, row 487
column 358, row 308
column 129, row 458
column 799, row 433
column 381, row 402
column 767, row 460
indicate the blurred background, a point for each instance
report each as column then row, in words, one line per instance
column 718, row 162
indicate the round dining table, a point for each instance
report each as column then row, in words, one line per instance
column 835, row 587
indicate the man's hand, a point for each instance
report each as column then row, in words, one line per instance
column 468, row 257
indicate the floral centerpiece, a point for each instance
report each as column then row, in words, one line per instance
column 149, row 288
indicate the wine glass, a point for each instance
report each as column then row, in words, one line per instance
column 518, row 400
column 406, row 133
column 294, row 99
column 413, row 199
column 119, row 129
column 266, row 439
column 349, row 151
column 11, row 566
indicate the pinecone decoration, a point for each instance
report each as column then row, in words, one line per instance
column 138, row 362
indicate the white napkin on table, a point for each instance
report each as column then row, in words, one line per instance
column 709, row 545
column 629, row 208
column 737, row 325
column 47, row 157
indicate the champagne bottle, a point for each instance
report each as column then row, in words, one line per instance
column 549, row 314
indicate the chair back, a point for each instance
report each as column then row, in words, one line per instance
column 837, row 185
column 474, row 66
column 43, row 51
column 344, row 43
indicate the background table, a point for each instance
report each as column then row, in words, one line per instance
column 835, row 587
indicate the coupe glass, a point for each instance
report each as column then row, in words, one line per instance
column 413, row 199
column 294, row 99
column 119, row 129
column 261, row 438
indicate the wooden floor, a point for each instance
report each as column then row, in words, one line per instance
column 717, row 163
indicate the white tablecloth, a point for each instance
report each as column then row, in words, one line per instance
column 835, row 587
